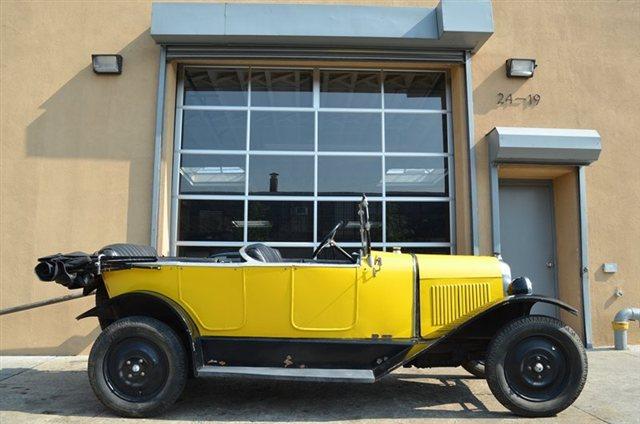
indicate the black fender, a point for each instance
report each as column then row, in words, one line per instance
column 154, row 305
column 467, row 338
column 496, row 314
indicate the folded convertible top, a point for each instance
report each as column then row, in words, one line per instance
column 79, row 270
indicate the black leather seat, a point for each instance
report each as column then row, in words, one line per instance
column 263, row 253
column 129, row 250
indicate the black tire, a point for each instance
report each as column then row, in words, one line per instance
column 137, row 367
column 475, row 367
column 536, row 366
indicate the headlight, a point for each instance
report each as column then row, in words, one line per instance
column 520, row 285
column 505, row 269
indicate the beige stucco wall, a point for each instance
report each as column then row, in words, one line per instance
column 77, row 149
column 77, row 153
column 586, row 79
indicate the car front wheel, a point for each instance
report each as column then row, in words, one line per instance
column 137, row 367
column 536, row 366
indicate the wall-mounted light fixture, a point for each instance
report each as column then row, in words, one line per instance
column 520, row 68
column 106, row 63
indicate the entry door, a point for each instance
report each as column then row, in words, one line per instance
column 527, row 236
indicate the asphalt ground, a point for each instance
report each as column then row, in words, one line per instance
column 56, row 390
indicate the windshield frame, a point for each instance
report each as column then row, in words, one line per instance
column 365, row 226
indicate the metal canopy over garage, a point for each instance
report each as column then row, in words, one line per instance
column 451, row 25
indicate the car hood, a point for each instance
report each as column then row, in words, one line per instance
column 458, row 267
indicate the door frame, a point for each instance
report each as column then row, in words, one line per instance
column 494, row 182
column 548, row 184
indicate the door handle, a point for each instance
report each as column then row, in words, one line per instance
column 549, row 263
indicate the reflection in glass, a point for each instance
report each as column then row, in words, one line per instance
column 412, row 90
column 212, row 174
column 295, row 252
column 359, row 132
column 349, row 175
column 411, row 176
column 350, row 89
column 427, row 250
column 282, row 130
column 214, row 130
column 330, row 213
column 203, row 220
column 414, row 132
column 215, row 86
column 281, row 175
column 206, row 251
column 282, row 87
column 417, row 222
column 280, row 221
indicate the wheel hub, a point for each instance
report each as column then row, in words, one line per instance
column 535, row 368
column 136, row 369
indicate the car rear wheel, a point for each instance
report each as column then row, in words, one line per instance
column 536, row 366
column 137, row 367
column 475, row 367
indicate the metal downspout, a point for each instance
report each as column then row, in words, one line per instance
column 157, row 154
column 584, row 257
column 473, row 195
column 620, row 326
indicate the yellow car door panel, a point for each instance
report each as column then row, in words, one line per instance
column 216, row 299
column 324, row 298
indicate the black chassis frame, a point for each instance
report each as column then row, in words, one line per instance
column 465, row 341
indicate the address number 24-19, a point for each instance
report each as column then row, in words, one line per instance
column 508, row 99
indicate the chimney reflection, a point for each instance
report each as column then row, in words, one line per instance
column 273, row 182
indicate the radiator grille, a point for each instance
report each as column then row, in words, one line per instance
column 451, row 301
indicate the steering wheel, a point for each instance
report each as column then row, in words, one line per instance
column 329, row 241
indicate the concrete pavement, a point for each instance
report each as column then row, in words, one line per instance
column 56, row 389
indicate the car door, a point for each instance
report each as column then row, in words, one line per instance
column 302, row 300
column 324, row 298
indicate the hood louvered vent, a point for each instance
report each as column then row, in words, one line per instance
column 452, row 301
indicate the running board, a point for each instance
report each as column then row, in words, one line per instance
column 306, row 374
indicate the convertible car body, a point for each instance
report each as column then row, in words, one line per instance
column 353, row 319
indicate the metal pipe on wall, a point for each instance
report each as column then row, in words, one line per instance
column 620, row 326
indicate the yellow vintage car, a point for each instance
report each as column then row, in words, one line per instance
column 253, row 313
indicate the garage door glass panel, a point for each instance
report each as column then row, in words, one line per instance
column 415, row 132
column 349, row 89
column 281, row 175
column 282, row 87
column 280, row 221
column 214, row 130
column 340, row 132
column 281, row 155
column 415, row 90
column 417, row 221
column 202, row 220
column 215, row 86
column 416, row 176
column 212, row 174
column 349, row 175
column 282, row 131
column 330, row 213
